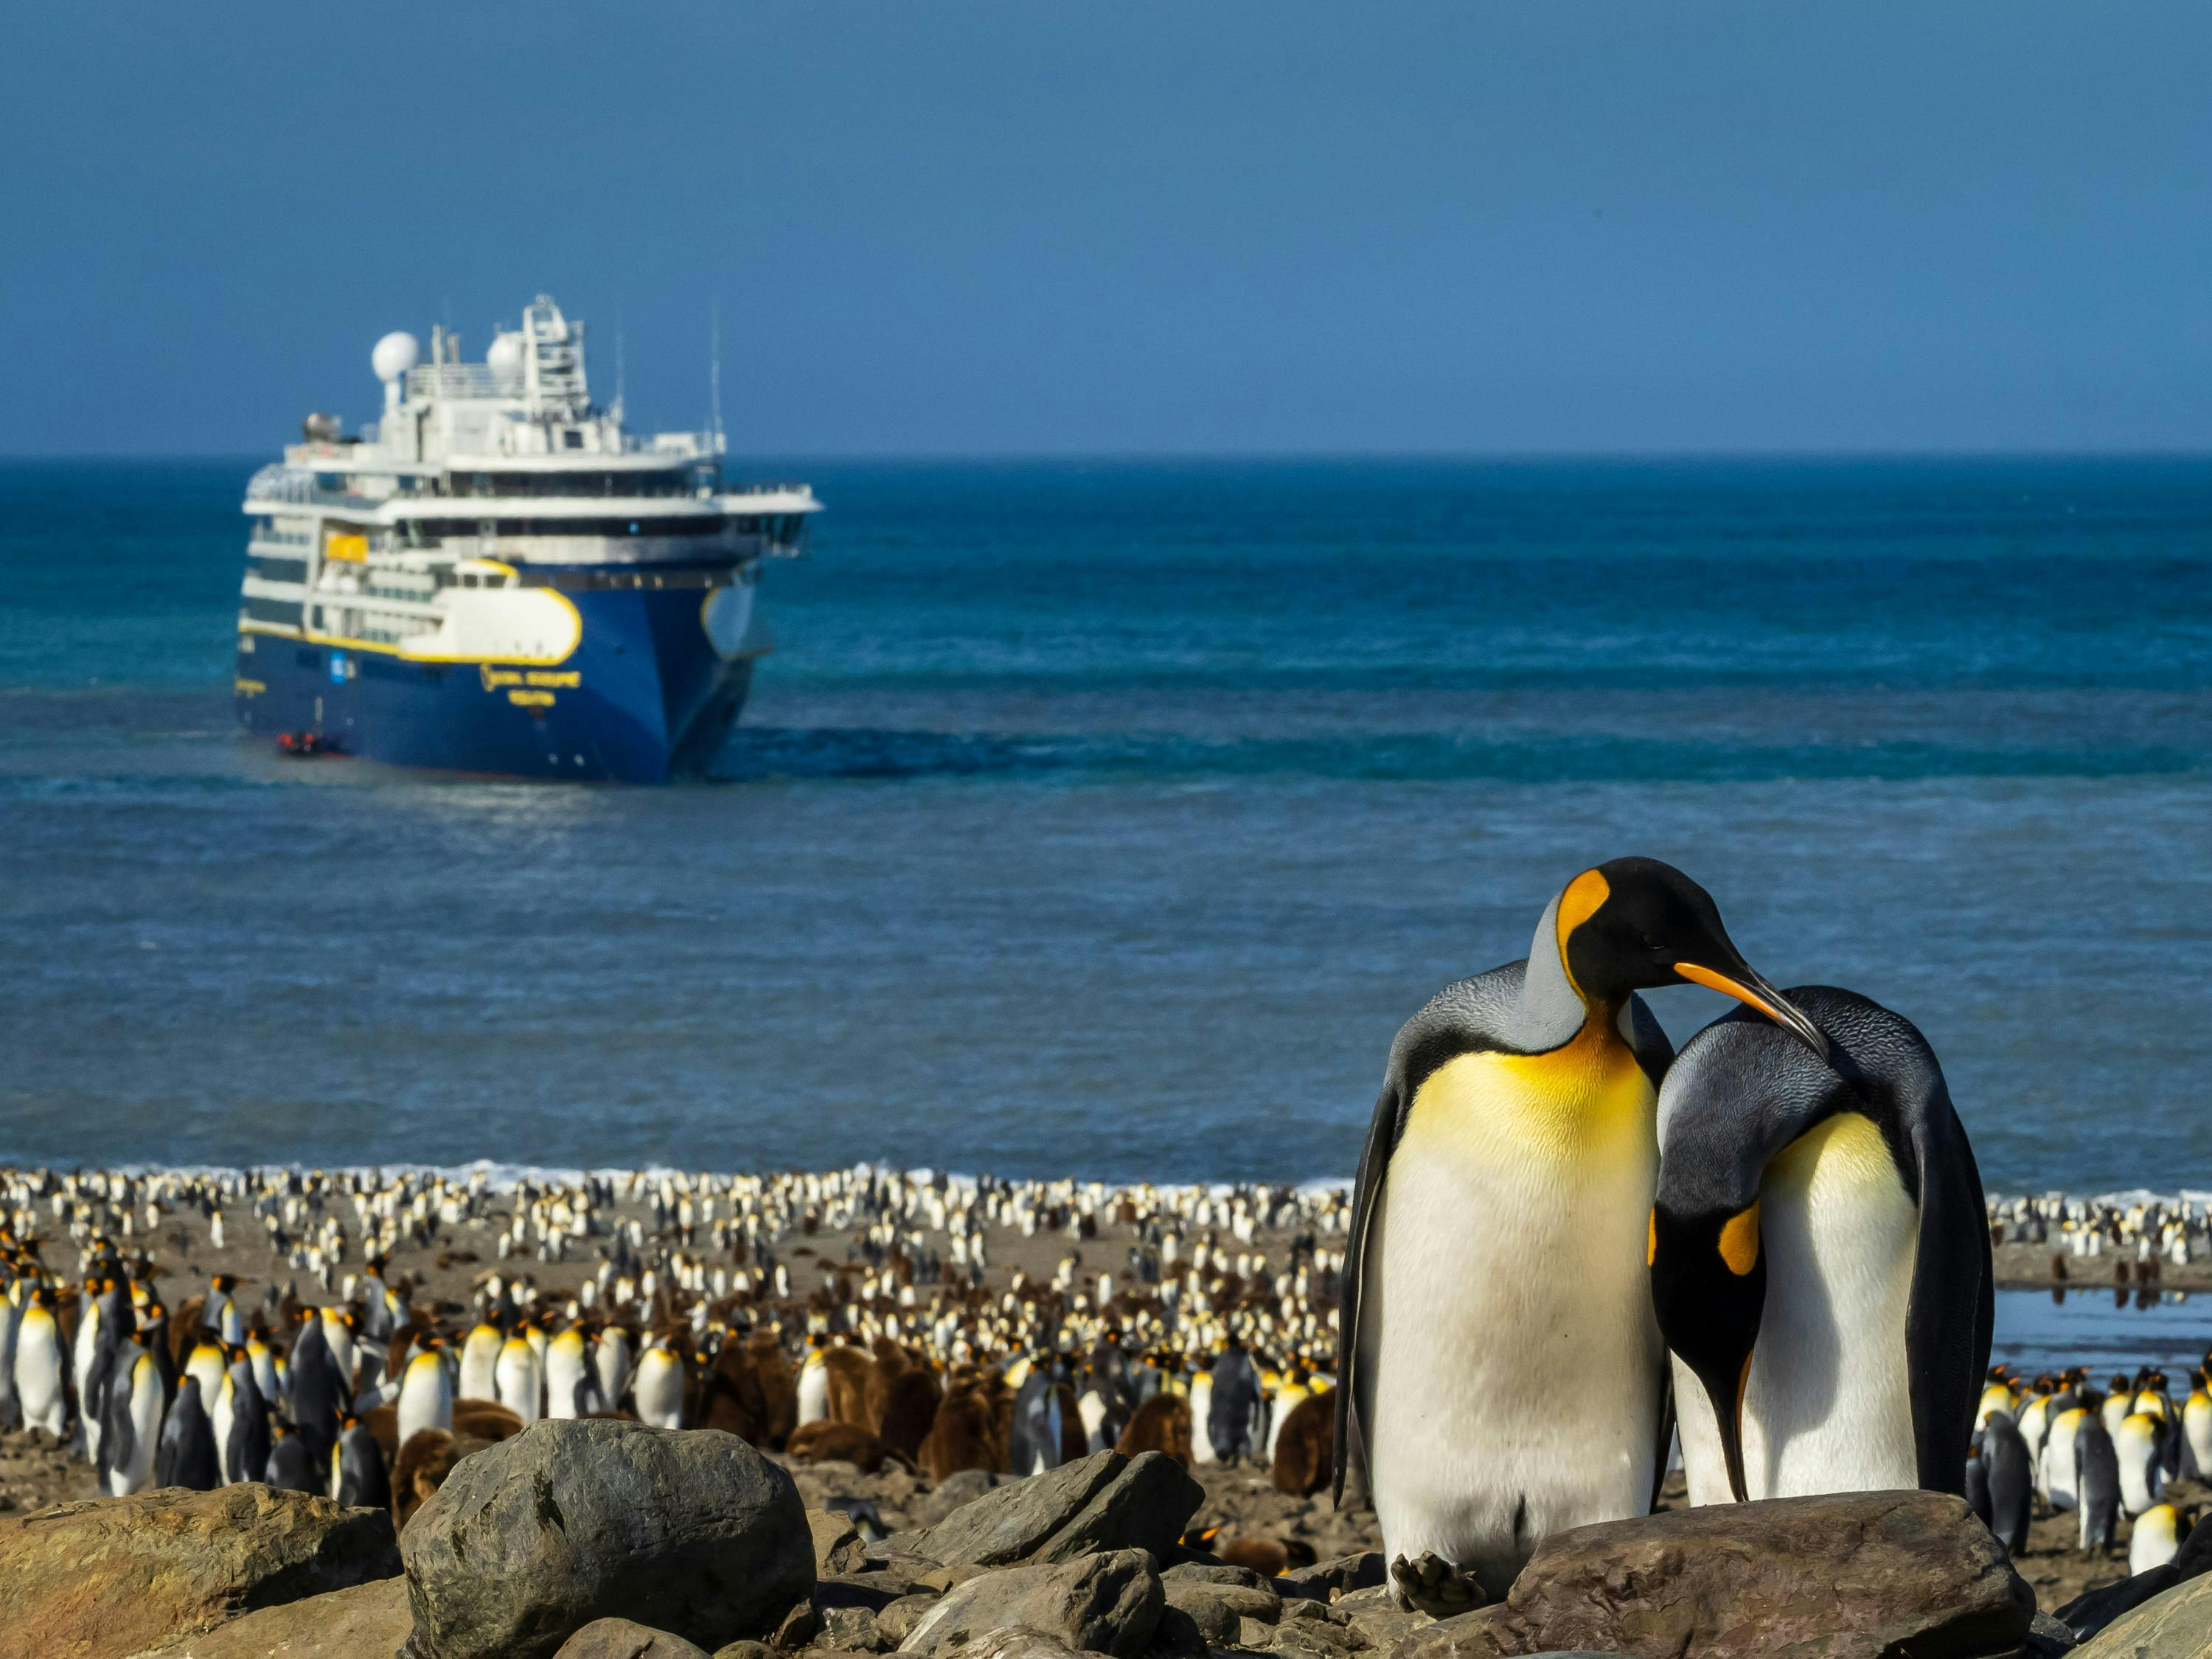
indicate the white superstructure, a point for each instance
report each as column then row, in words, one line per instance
column 468, row 523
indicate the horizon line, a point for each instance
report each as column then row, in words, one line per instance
column 831, row 457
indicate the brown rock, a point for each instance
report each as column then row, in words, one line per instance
column 897, row 1621
column 118, row 1576
column 369, row 1621
column 618, row 1638
column 837, row 1545
column 1106, row 1603
column 1853, row 1576
column 2177, row 1625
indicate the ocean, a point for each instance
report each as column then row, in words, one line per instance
column 1108, row 818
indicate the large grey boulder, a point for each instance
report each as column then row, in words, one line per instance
column 2177, row 1625
column 1105, row 1603
column 113, row 1576
column 1103, row 1502
column 694, row 1533
column 1852, row 1576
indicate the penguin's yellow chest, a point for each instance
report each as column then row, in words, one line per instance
column 1586, row 1103
column 1510, row 1368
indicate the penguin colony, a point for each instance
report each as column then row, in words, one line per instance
column 683, row 1300
column 1566, row 1246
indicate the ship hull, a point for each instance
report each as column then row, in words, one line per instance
column 644, row 696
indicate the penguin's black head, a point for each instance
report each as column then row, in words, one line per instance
column 1709, row 1291
column 1636, row 924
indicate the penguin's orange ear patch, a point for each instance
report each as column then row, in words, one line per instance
column 1585, row 896
column 1651, row 1242
column 1739, row 1241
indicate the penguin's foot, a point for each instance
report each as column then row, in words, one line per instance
column 1429, row 1583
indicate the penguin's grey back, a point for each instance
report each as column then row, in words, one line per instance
column 2011, row 1483
column 2097, row 1483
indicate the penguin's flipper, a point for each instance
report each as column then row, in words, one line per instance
column 1382, row 1133
column 1949, row 1324
column 118, row 1439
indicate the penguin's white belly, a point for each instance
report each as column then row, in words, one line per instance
column 1201, row 1413
column 1510, row 1364
column 660, row 1392
column 2196, row 1425
column 39, row 1377
column 564, row 1376
column 2058, row 1485
column 519, row 1383
column 814, row 1394
column 147, row 1404
column 1829, row 1404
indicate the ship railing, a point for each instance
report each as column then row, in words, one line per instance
column 278, row 483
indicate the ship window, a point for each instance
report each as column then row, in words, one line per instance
column 572, row 440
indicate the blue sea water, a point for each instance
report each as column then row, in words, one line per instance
column 1108, row 818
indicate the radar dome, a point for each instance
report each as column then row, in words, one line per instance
column 394, row 356
column 506, row 353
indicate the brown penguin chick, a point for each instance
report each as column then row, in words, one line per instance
column 825, row 1441
column 486, row 1420
column 1267, row 1557
column 910, row 1411
column 719, row 1395
column 779, row 1388
column 1161, row 1424
column 963, row 1435
column 1075, row 1438
column 383, row 1423
column 850, row 1372
column 422, row 1468
column 1303, row 1464
column 892, row 1362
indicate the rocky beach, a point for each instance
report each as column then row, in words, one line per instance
column 745, row 1532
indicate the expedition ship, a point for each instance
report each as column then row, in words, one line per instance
column 497, row 578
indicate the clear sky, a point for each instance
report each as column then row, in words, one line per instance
column 1128, row 227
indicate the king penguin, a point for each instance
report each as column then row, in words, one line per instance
column 658, row 1389
column 41, row 1374
column 1819, row 1261
column 2137, row 1447
column 187, row 1455
column 358, row 1477
column 480, row 1354
column 2097, row 1485
column 135, row 1402
column 1497, row 1241
column 611, row 1363
column 520, row 1378
column 2010, row 1480
column 425, row 1392
column 813, row 1383
column 570, row 1388
column 245, row 1432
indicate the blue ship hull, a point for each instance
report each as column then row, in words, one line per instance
column 644, row 697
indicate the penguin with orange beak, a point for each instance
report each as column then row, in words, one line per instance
column 1497, row 1239
column 1818, row 1257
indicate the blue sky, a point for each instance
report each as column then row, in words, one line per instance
column 1044, row 228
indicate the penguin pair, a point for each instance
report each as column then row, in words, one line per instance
column 1514, row 1220
column 1499, row 1239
